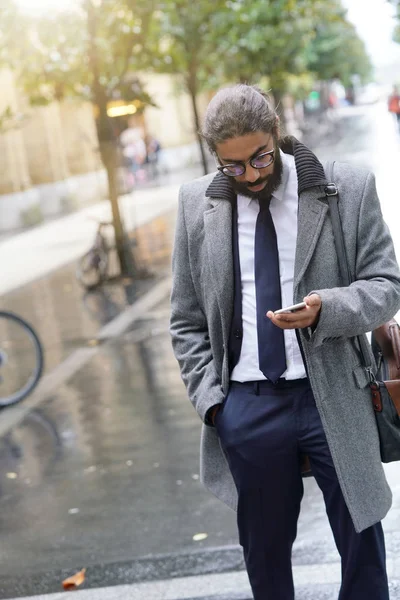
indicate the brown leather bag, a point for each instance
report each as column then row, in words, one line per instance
column 386, row 389
column 386, row 348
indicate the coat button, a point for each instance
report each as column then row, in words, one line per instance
column 238, row 334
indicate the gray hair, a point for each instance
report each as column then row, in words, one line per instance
column 237, row 111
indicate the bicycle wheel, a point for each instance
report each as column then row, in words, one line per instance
column 92, row 269
column 21, row 358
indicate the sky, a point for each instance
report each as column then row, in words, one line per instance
column 374, row 22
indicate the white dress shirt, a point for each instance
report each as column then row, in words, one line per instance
column 284, row 206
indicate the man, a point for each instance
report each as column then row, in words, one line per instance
column 270, row 388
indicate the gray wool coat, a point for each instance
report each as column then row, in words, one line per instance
column 201, row 311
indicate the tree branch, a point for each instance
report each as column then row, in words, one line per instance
column 134, row 38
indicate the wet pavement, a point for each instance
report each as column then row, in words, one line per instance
column 104, row 473
column 65, row 315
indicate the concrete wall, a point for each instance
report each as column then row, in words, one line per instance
column 48, row 200
column 172, row 120
column 79, row 136
column 14, row 171
column 51, row 164
column 43, row 138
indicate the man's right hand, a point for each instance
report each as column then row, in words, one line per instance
column 213, row 412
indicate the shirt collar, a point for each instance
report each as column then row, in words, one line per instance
column 309, row 171
column 279, row 193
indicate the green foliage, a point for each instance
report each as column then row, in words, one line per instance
column 58, row 61
column 12, row 32
column 266, row 38
column 187, row 42
column 234, row 40
column 53, row 65
column 282, row 42
column 336, row 52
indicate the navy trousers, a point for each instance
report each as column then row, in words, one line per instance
column 263, row 429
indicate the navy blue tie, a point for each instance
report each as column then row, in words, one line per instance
column 271, row 343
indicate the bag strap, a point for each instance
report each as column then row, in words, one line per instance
column 332, row 196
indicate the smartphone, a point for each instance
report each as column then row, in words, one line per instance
column 290, row 309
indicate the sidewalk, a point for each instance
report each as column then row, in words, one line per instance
column 227, row 586
column 35, row 253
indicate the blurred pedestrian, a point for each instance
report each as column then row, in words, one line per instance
column 272, row 388
column 134, row 151
column 394, row 103
column 153, row 149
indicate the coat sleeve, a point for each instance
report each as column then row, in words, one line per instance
column 188, row 328
column 374, row 297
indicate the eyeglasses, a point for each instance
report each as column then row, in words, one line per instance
column 257, row 162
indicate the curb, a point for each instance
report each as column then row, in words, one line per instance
column 215, row 573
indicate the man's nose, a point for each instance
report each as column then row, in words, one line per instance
column 251, row 174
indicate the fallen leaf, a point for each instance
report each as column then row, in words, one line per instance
column 199, row 537
column 75, row 581
column 93, row 343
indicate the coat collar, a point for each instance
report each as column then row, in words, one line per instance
column 310, row 172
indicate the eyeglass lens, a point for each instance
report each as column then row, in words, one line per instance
column 258, row 162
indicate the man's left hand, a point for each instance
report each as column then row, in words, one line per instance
column 306, row 317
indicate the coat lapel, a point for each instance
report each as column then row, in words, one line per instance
column 218, row 235
column 311, row 181
column 311, row 216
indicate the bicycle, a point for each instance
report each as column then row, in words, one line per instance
column 93, row 267
column 96, row 267
column 21, row 358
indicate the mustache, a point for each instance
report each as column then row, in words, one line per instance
column 258, row 182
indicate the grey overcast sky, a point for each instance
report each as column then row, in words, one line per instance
column 375, row 23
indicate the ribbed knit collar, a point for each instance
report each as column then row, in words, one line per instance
column 310, row 172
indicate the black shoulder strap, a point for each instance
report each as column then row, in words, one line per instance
column 332, row 195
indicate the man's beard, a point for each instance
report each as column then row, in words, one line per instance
column 273, row 181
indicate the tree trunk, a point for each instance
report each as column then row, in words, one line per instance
column 193, row 97
column 109, row 157
column 108, row 146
